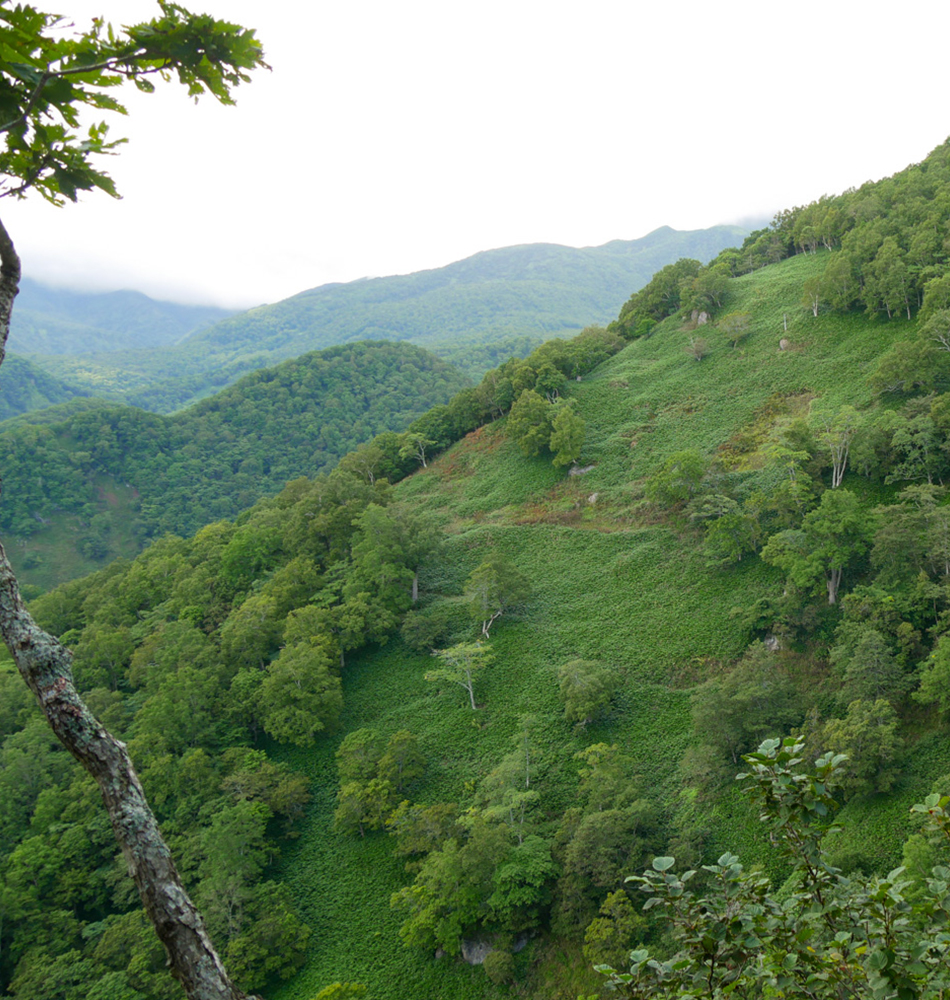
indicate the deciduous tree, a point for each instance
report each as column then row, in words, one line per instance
column 460, row 664
column 567, row 435
column 832, row 536
column 493, row 587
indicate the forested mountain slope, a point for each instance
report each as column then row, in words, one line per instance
column 474, row 313
column 756, row 539
column 83, row 484
column 25, row 387
column 50, row 320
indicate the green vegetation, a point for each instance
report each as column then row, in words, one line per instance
column 829, row 935
column 759, row 544
column 60, row 321
column 474, row 313
column 103, row 481
column 25, row 387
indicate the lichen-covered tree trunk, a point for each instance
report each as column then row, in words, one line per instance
column 46, row 666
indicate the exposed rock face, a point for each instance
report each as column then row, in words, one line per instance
column 702, row 319
column 475, row 952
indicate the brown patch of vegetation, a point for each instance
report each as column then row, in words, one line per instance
column 779, row 408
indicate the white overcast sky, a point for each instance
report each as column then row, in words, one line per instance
column 396, row 136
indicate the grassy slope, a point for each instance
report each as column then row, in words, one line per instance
column 607, row 586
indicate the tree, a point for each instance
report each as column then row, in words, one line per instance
column 832, row 536
column 887, row 282
column 586, row 688
column 567, row 435
column 529, row 423
column 46, row 79
column 414, row 446
column 829, row 936
column 707, row 290
column 460, row 664
column 494, row 586
column 611, row 933
column 935, row 677
column 867, row 737
column 300, row 696
column 837, row 432
column 837, row 281
column 733, row 713
column 402, row 762
column 868, row 666
column 813, row 295
column 735, row 326
column 697, row 348
column 677, row 479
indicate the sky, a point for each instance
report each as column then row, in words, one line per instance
column 393, row 137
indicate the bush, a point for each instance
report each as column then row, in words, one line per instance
column 499, row 966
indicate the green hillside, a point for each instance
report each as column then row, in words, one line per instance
column 388, row 715
column 474, row 313
column 25, row 387
column 610, row 585
column 86, row 482
column 51, row 320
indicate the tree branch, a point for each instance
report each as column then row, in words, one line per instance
column 46, row 667
column 30, row 104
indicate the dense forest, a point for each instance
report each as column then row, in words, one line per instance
column 473, row 313
column 25, row 387
column 440, row 702
column 114, row 476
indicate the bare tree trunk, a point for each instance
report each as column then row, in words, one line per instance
column 469, row 686
column 46, row 666
column 833, row 583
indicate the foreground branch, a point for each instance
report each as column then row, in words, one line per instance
column 46, row 666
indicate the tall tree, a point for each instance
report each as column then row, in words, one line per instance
column 47, row 78
column 494, row 586
column 460, row 664
column 831, row 537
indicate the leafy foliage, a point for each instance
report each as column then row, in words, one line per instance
column 830, row 934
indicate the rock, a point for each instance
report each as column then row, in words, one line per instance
column 783, row 344
column 772, row 643
column 592, row 499
column 702, row 319
column 475, row 952
column 439, row 953
column 579, row 470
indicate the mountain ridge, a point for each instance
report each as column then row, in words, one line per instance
column 472, row 313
